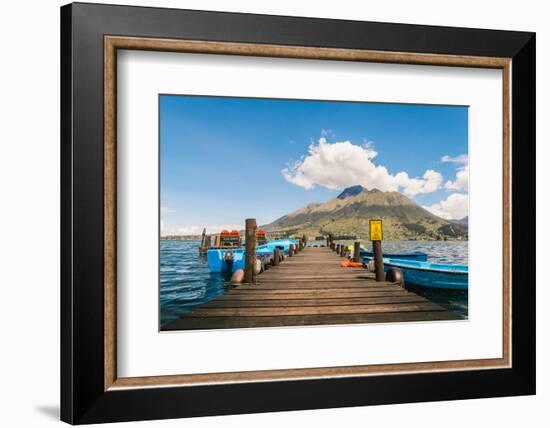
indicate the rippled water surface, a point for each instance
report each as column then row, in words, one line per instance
column 186, row 282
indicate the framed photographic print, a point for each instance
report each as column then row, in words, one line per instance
column 266, row 213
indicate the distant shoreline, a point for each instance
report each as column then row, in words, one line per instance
column 181, row 238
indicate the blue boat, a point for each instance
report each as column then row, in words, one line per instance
column 405, row 255
column 225, row 259
column 231, row 259
column 434, row 275
column 282, row 244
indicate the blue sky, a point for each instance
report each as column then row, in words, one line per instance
column 225, row 159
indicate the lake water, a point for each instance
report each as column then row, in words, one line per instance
column 186, row 281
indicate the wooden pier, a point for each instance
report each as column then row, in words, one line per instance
column 311, row 288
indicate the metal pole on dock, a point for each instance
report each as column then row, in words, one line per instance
column 250, row 260
column 276, row 256
column 378, row 262
column 356, row 251
column 375, row 229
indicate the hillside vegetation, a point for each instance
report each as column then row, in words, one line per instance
column 349, row 213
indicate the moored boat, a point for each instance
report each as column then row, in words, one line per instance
column 434, row 275
column 225, row 259
column 404, row 255
column 232, row 258
column 261, row 239
column 283, row 245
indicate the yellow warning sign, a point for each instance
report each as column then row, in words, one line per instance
column 375, row 227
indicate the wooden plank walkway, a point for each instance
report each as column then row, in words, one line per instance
column 312, row 289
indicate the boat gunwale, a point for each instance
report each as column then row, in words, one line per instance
column 409, row 253
column 451, row 272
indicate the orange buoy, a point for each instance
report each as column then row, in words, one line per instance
column 224, row 233
column 234, row 233
column 351, row 264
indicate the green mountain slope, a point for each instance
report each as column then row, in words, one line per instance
column 349, row 213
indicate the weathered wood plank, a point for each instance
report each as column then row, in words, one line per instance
column 316, row 310
column 340, row 291
column 307, row 320
column 319, row 286
column 337, row 281
column 242, row 303
column 296, row 294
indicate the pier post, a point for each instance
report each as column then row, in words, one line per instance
column 250, row 260
column 342, row 250
column 203, row 237
column 276, row 256
column 378, row 262
column 203, row 248
column 291, row 250
column 356, row 252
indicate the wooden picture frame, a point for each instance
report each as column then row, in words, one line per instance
column 91, row 390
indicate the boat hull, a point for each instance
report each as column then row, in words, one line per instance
column 282, row 244
column 231, row 259
column 225, row 259
column 432, row 275
column 407, row 255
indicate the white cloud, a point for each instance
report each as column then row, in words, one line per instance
column 344, row 164
column 460, row 159
column 454, row 207
column 461, row 181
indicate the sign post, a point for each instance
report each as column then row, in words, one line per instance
column 375, row 229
